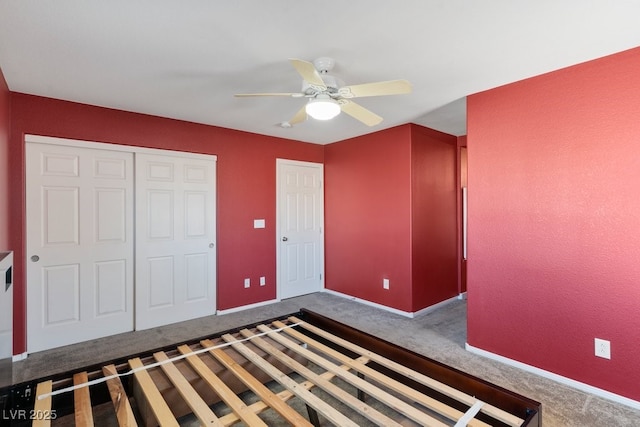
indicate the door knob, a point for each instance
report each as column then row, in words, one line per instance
column 284, row 239
column 211, row 245
column 35, row 258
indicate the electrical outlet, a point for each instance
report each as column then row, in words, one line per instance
column 603, row 348
column 247, row 283
column 385, row 283
column 263, row 281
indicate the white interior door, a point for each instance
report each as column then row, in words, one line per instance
column 79, row 244
column 300, row 228
column 175, row 239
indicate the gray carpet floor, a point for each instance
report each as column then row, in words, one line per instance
column 439, row 334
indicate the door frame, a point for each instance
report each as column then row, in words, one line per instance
column 113, row 147
column 279, row 164
column 30, row 138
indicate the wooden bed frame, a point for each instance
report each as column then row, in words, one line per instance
column 302, row 369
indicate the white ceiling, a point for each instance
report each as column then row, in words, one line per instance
column 186, row 59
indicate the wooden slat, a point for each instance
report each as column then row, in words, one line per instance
column 309, row 398
column 337, row 364
column 221, row 389
column 159, row 407
column 257, row 387
column 412, row 394
column 397, row 404
column 124, row 413
column 284, row 395
column 82, row 401
column 360, row 407
column 43, row 406
column 491, row 410
column 188, row 393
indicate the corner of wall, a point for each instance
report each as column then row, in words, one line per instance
column 5, row 135
column 434, row 266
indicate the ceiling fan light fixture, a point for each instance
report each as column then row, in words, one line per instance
column 322, row 108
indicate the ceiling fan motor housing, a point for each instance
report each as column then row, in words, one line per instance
column 324, row 64
column 331, row 82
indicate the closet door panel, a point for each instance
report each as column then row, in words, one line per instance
column 175, row 239
column 79, row 244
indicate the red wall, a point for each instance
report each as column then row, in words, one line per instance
column 246, row 190
column 462, row 182
column 433, row 217
column 390, row 212
column 5, row 132
column 368, row 217
column 554, row 221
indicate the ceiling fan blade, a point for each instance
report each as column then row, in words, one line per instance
column 308, row 72
column 391, row 87
column 300, row 116
column 358, row 112
column 291, row 94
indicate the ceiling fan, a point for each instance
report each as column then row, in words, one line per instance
column 328, row 95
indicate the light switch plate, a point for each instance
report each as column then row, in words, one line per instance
column 258, row 223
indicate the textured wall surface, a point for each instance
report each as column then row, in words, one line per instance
column 368, row 217
column 246, row 179
column 554, row 221
column 434, row 245
column 391, row 213
column 5, row 132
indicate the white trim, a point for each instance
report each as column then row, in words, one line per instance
column 555, row 377
column 408, row 314
column 372, row 304
column 298, row 163
column 19, row 357
column 462, row 296
column 113, row 147
column 246, row 307
column 437, row 305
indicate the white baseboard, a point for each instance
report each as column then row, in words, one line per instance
column 19, row 357
column 246, row 307
column 435, row 306
column 462, row 296
column 372, row 304
column 555, row 377
column 390, row 309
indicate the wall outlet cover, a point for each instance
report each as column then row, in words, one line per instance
column 603, row 348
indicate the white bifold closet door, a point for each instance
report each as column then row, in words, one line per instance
column 79, row 244
column 118, row 238
column 175, row 239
